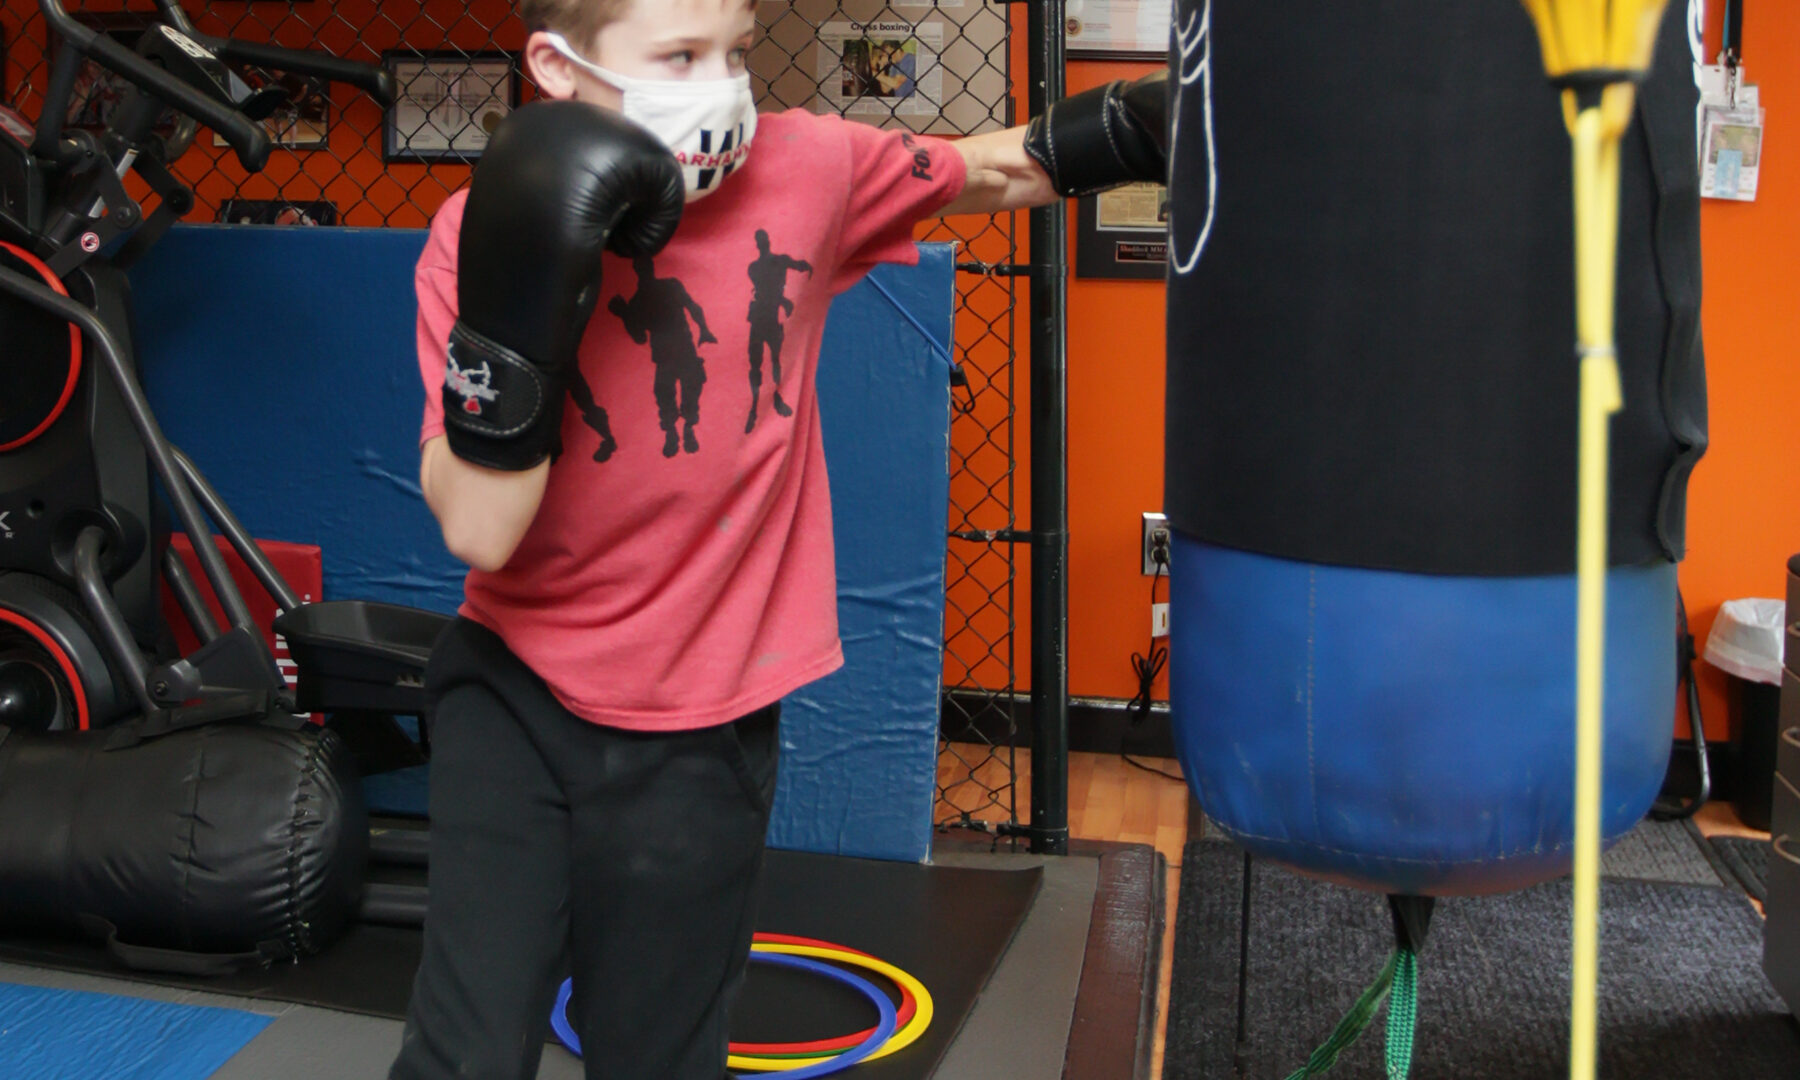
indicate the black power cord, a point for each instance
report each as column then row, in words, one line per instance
column 1675, row 809
column 1148, row 665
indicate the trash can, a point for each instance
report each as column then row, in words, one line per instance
column 1746, row 643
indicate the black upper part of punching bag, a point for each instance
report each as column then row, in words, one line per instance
column 1371, row 291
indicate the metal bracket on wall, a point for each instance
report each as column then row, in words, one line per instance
column 993, row 536
column 995, row 269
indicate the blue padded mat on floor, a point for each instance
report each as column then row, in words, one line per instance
column 403, row 792
column 74, row 1035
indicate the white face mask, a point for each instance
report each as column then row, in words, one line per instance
column 707, row 124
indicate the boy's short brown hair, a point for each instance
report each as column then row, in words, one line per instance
column 579, row 21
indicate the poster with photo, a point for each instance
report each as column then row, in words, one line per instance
column 883, row 68
column 957, row 61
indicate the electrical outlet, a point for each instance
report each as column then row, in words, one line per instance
column 1159, row 620
column 1156, row 535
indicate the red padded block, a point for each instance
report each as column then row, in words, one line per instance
column 303, row 566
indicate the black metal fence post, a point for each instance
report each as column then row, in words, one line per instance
column 1049, row 469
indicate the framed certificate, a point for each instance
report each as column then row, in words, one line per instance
column 1117, row 29
column 447, row 104
column 1123, row 233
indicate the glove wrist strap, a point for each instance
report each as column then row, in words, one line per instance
column 500, row 409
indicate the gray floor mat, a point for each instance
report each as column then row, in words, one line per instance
column 1683, row 996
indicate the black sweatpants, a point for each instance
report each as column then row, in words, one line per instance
column 558, row 845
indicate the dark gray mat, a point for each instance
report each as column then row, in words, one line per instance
column 1672, row 851
column 948, row 926
column 1748, row 860
column 1038, row 982
column 1683, row 996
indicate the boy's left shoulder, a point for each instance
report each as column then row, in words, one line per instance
column 798, row 126
column 834, row 138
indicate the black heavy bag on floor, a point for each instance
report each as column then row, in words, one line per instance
column 199, row 850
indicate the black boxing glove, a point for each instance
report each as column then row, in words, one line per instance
column 559, row 182
column 1104, row 137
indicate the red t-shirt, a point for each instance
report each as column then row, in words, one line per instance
column 681, row 574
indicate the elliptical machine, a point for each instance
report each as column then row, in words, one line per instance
column 83, row 540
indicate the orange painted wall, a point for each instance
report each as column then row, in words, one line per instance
column 1744, row 510
column 1115, row 431
column 1116, row 341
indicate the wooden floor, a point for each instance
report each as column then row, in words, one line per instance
column 1110, row 799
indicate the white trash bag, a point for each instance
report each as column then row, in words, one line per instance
column 1746, row 639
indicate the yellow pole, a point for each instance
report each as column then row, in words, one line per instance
column 1590, row 43
column 1600, row 398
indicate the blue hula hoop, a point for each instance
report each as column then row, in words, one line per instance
column 884, row 1030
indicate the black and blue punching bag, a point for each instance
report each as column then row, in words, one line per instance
column 1371, row 437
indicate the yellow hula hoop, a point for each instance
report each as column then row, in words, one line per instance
column 901, row 1039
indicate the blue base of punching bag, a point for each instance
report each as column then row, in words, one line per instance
column 1409, row 733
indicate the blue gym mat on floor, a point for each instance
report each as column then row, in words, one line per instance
column 74, row 1035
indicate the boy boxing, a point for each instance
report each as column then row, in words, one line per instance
column 607, row 701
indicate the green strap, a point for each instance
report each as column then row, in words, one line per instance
column 1403, row 1010
column 1398, row 985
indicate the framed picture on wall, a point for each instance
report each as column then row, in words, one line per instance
column 934, row 67
column 97, row 91
column 304, row 122
column 1117, row 29
column 1123, row 233
column 278, row 212
column 447, row 103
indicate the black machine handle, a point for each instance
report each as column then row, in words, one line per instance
column 247, row 138
column 377, row 82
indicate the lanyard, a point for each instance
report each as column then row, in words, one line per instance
column 1731, row 49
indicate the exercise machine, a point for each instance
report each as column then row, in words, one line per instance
column 83, row 532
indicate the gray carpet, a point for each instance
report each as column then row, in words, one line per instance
column 1747, row 859
column 1683, row 996
column 1671, row 851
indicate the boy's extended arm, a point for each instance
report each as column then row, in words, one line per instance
column 1001, row 175
column 483, row 512
column 1087, row 142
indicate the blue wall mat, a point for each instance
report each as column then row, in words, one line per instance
column 74, row 1035
column 282, row 361
column 859, row 766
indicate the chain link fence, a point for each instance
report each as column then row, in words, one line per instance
column 939, row 67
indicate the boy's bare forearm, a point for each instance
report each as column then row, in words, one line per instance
column 1001, row 175
column 482, row 512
